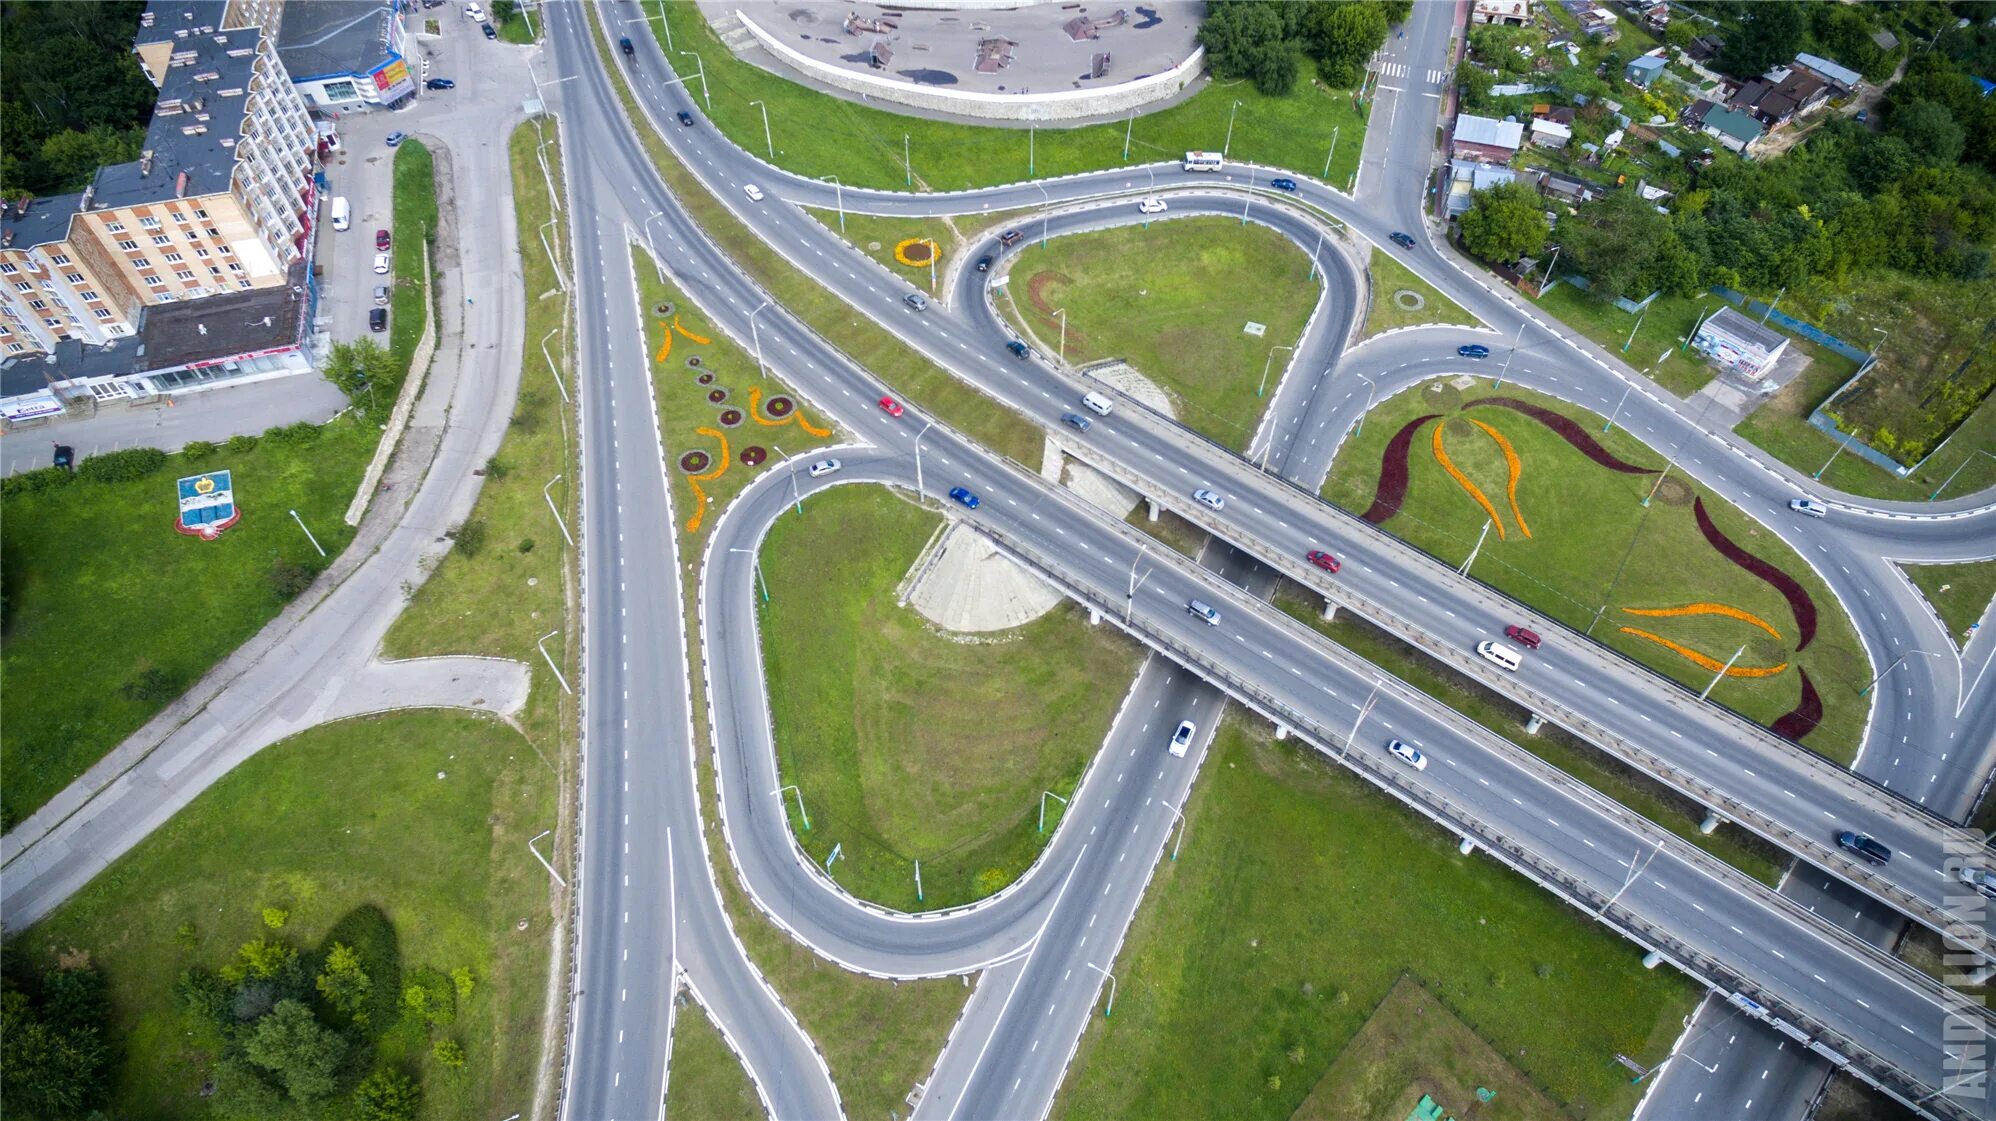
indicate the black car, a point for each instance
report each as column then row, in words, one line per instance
column 1864, row 847
column 439, row 84
column 984, row 263
column 685, row 118
column 65, row 457
column 490, row 33
column 1404, row 241
column 377, row 319
column 1017, row 348
column 1283, row 184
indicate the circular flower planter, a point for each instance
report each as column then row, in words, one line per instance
column 779, row 407
column 705, row 379
column 916, row 252
column 752, row 456
column 1675, row 492
column 693, row 363
column 716, row 396
column 1410, row 300
column 694, row 462
column 730, row 417
column 662, row 309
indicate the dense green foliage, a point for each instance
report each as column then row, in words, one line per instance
column 53, row 1060
column 72, row 96
column 1258, row 40
column 1504, row 223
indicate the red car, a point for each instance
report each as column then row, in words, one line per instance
column 1322, row 560
column 381, row 241
column 1527, row 639
column 890, row 406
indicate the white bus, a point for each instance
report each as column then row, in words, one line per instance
column 1204, row 161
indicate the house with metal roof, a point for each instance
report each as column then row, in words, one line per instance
column 1843, row 77
column 1735, row 130
column 1737, row 344
column 1482, row 138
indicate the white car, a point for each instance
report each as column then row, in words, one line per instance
column 474, row 13
column 1210, row 498
column 381, row 263
column 1409, row 755
column 1181, row 740
column 823, row 467
column 1982, row 880
column 1808, row 506
column 1151, row 206
column 753, row 192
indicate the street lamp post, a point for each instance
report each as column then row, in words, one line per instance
column 1130, row 598
column 796, row 491
column 1032, row 146
column 1265, row 363
column 308, row 533
column 800, row 801
column 1046, row 212
column 1111, row 1009
column 1723, row 671
column 1632, row 331
column 1371, row 387
column 662, row 22
column 1229, row 145
column 1888, row 669
column 1314, row 253
column 1127, row 129
column 556, row 512
column 1247, row 197
column 756, row 336
column 1181, row 828
column 1471, row 558
column 541, row 645
column 758, row 571
column 700, row 72
column 1505, row 372
column 1360, row 718
column 766, row 140
column 1618, row 407
column 839, row 195
column 919, row 491
column 1636, row 867
column 1834, row 455
column 1044, row 795
column 1549, row 266
column 1957, row 471
column 907, row 161
column 1062, row 313
column 1332, row 154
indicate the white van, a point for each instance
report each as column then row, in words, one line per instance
column 1200, row 609
column 1097, row 404
column 342, row 213
column 1501, row 654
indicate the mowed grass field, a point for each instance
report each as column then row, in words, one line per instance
column 1389, row 277
column 1173, row 299
column 1595, row 548
column 909, row 743
column 819, row 135
column 101, row 589
column 425, row 815
column 1968, row 589
column 1299, row 899
column 704, row 1080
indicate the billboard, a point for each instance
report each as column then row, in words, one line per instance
column 207, row 505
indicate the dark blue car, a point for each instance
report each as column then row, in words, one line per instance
column 1283, row 184
column 439, row 84
column 1473, row 350
column 963, row 495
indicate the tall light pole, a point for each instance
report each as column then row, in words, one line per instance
column 1332, row 154
column 1360, row 718
column 1723, row 671
column 1618, row 408
column 839, row 194
column 541, row 645
column 757, row 562
column 556, row 512
column 308, row 533
column 919, row 491
column 1693, row 333
column 1046, row 212
column 1957, row 471
column 1111, row 1009
column 1371, row 387
column 767, row 142
column 1062, row 313
column 1890, row 668
column 1181, row 828
column 1127, row 129
column 800, row 801
column 700, row 72
column 757, row 337
column 1265, row 363
column 907, row 161
column 1471, row 558
column 1515, row 340
column 1229, row 145
column 1834, row 455
column 796, row 490
column 1314, row 253
column 1632, row 331
column 1032, row 146
column 1547, row 279
column 663, row 22
column 1636, row 867
column 1130, row 598
column 1777, row 300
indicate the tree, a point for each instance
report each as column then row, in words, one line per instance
column 72, row 157
column 1930, row 132
column 1475, row 83
column 1249, row 39
column 1504, row 223
column 1341, row 35
column 297, row 1050
column 259, row 959
column 387, row 1095
column 449, row 1052
column 1769, row 35
column 52, row 1051
column 345, row 983
column 1680, row 33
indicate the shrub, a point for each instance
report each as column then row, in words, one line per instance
column 152, row 686
column 123, row 466
column 462, row 981
column 276, row 917
column 429, row 995
column 198, row 449
column 494, row 469
column 449, row 1052
column 289, row 578
column 205, row 996
column 526, row 545
column 371, row 936
column 241, row 444
column 35, row 482
column 303, row 432
column 387, row 1095
column 470, row 537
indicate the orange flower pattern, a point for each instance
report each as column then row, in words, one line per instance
column 1462, row 481
column 1704, row 662
column 1515, row 468
column 1727, row 610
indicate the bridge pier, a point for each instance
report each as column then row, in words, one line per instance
column 1710, row 823
column 1150, row 506
column 1466, row 847
column 1533, row 723
column 1652, row 959
column 1282, row 731
column 1094, row 616
column 1330, row 609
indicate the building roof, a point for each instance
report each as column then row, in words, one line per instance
column 195, row 125
column 1733, row 123
column 167, row 19
column 1543, row 127
column 1481, row 174
column 1843, row 76
column 1561, row 184
column 27, row 221
column 1729, row 322
column 1648, row 62
column 329, row 38
column 1885, row 39
column 1483, row 130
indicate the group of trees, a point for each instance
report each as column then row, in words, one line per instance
column 72, row 96
column 54, row 1061
column 1260, row 40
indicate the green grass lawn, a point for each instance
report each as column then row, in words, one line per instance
column 1969, row 587
column 909, row 744
column 341, row 816
column 101, row 590
column 1664, row 327
column 1305, row 896
column 1781, row 428
column 1553, row 744
column 515, row 29
column 1389, row 276
column 1172, row 300
column 704, row 1080
column 877, row 235
column 816, row 134
column 1593, row 543
column 409, row 304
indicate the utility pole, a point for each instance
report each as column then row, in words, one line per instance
column 1360, row 718
column 767, row 142
column 1723, row 671
column 1471, row 559
column 1332, row 154
column 1229, row 145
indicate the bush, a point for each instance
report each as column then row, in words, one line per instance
column 303, row 432
column 198, row 449
column 203, row 995
column 449, row 1052
column 123, row 466
column 470, row 537
column 387, row 1095
column 276, row 917
column 526, row 545
column 430, row 996
column 289, row 578
column 494, row 469
column 241, row 444
column 153, row 685
column 35, row 482
column 370, row 934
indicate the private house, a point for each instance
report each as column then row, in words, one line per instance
column 1506, row 13
column 1777, row 100
column 1733, row 129
column 1656, row 16
column 1466, row 177
column 1737, row 344
column 1568, row 189
column 1551, row 134
column 1843, row 79
column 1643, row 69
column 1485, row 139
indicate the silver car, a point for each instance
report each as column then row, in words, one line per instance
column 823, row 467
column 1210, row 498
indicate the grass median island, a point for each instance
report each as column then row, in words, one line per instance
column 909, row 743
column 1959, row 593
column 410, row 300
column 1553, row 744
column 111, row 614
column 1394, row 287
column 422, row 815
column 704, row 1079
column 1663, row 328
column 816, row 134
column 878, row 235
column 1301, row 897
column 1571, row 537
column 1173, row 300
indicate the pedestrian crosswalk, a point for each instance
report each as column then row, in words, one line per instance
column 1401, row 70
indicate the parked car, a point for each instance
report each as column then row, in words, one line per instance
column 1283, row 184
column 474, row 12
column 65, row 457
column 1808, row 506
column 1525, row 638
column 395, row 139
column 890, row 406
column 1404, row 241
column 963, row 496
column 377, row 319
column 1010, row 238
column 1019, row 349
column 1181, row 740
column 823, row 467
column 381, row 295
column 1322, row 560
column 752, row 191
column 1151, row 206
column 1409, row 755
column 381, row 264
column 381, row 240
column 1076, row 421
column 1210, row 498
column 490, row 32
column 1865, row 847
column 685, row 118
column 439, row 84
column 984, row 263
column 1474, row 350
